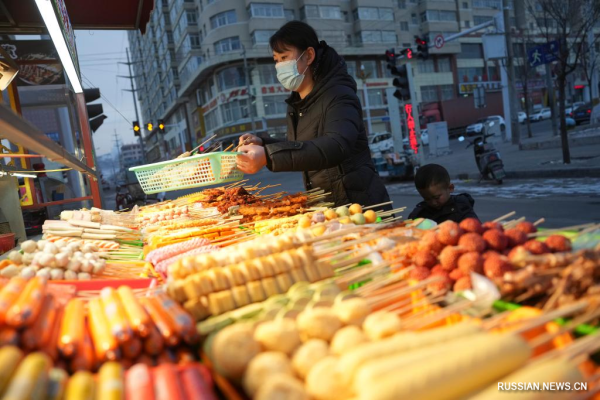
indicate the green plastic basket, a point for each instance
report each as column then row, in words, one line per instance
column 184, row 173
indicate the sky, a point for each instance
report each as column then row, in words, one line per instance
column 99, row 54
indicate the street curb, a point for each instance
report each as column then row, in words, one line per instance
column 544, row 174
column 555, row 143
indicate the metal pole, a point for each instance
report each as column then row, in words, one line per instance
column 551, row 99
column 510, row 65
column 247, row 73
column 137, row 116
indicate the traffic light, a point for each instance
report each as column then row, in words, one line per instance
column 422, row 47
column 161, row 126
column 149, row 126
column 408, row 53
column 95, row 111
column 136, row 128
column 402, row 92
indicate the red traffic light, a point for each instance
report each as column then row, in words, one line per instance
column 409, row 54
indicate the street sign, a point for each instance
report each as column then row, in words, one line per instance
column 438, row 42
column 543, row 54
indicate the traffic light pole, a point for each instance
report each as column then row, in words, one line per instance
column 137, row 117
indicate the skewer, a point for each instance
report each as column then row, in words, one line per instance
column 442, row 313
column 539, row 222
column 502, row 218
column 189, row 153
column 377, row 205
column 558, row 230
column 513, row 223
column 547, row 317
column 228, row 147
column 582, row 319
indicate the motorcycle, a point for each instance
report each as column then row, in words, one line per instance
column 487, row 158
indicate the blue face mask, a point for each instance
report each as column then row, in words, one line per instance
column 288, row 75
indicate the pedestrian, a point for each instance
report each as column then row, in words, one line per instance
column 434, row 185
column 326, row 138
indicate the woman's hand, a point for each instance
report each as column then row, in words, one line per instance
column 252, row 160
column 248, row 139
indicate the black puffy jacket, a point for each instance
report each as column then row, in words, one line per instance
column 326, row 138
column 457, row 208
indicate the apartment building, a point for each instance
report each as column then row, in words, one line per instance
column 131, row 155
column 190, row 64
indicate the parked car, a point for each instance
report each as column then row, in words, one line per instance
column 424, row 137
column 476, row 128
column 381, row 142
column 541, row 115
column 578, row 104
column 522, row 117
column 583, row 113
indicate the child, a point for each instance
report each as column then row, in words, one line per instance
column 433, row 184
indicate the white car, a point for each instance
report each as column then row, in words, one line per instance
column 477, row 127
column 380, row 142
column 521, row 116
column 424, row 137
column 541, row 115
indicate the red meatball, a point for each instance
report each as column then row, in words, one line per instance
column 429, row 242
column 496, row 267
column 526, row 227
column 536, row 247
column 495, row 239
column 442, row 286
column 515, row 237
column 420, row 273
column 490, row 253
column 558, row 243
column 449, row 257
column 471, row 225
column 456, row 274
column 437, row 268
column 472, row 242
column 463, row 283
column 471, row 262
column 423, row 258
column 492, row 225
column 449, row 233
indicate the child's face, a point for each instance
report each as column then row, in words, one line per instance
column 437, row 195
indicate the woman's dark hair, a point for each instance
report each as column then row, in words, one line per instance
column 294, row 34
column 301, row 36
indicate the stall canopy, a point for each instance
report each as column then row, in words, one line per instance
column 22, row 16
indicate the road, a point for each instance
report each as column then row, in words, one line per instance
column 562, row 202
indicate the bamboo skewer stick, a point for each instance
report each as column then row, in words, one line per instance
column 440, row 314
column 229, row 147
column 549, row 316
column 558, row 230
column 189, row 153
column 378, row 205
column 582, row 319
column 539, row 222
column 502, row 218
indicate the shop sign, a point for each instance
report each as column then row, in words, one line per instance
column 469, row 87
column 35, row 74
column 67, row 30
column 274, row 89
column 410, row 123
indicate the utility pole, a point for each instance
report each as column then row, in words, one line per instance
column 364, row 77
column 250, row 108
column 118, row 144
column 137, row 116
column 510, row 66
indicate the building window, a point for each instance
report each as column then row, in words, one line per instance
column 194, row 40
column 375, row 98
column 373, row 14
column 465, row 5
column 470, row 74
column 493, row 74
column 323, row 12
column 481, row 19
column 222, row 19
column 351, row 66
column 262, row 36
column 438, row 15
column 444, row 65
column 447, row 92
column 334, row 38
column 191, row 17
column 467, row 24
column 495, row 4
column 268, row 74
column 470, row 50
column 266, row 10
column 404, row 26
column 289, row 15
column 429, row 93
column 234, row 110
column 426, row 66
column 275, row 105
column 402, row 4
column 227, row 45
column 369, row 67
column 231, row 77
column 211, row 120
column 389, row 37
column 413, row 19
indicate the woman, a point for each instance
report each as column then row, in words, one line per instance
column 326, row 137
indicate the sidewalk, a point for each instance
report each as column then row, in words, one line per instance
column 534, row 161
